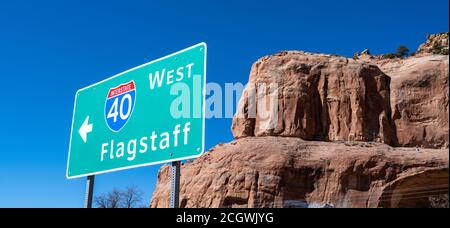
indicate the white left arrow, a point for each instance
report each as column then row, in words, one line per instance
column 85, row 128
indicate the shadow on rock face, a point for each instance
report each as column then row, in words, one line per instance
column 428, row 189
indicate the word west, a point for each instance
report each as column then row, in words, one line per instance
column 165, row 140
column 170, row 76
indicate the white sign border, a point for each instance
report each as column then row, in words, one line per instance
column 150, row 163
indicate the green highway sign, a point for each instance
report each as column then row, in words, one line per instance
column 151, row 114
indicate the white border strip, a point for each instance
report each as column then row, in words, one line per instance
column 150, row 163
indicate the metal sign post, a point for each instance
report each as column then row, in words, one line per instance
column 175, row 188
column 89, row 191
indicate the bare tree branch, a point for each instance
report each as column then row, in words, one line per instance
column 114, row 198
column 101, row 201
column 130, row 198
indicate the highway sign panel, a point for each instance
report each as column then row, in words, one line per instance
column 151, row 114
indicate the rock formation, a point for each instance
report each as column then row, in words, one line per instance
column 435, row 44
column 419, row 99
column 290, row 172
column 329, row 131
column 419, row 93
column 320, row 97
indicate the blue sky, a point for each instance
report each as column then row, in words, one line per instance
column 49, row 49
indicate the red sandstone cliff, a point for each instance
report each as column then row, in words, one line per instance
column 291, row 172
column 320, row 97
column 419, row 99
column 354, row 113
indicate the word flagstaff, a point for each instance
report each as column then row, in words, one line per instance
column 154, row 142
